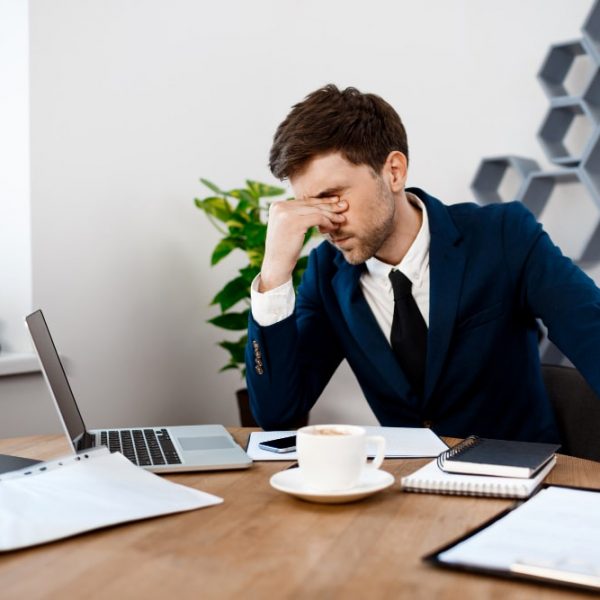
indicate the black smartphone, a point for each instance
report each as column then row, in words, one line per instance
column 281, row 445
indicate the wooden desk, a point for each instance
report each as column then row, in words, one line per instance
column 263, row 544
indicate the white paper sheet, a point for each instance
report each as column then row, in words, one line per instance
column 69, row 496
column 401, row 442
column 558, row 530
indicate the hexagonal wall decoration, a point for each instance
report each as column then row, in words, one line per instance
column 590, row 167
column 557, row 65
column 539, row 187
column 591, row 30
column 488, row 180
column 591, row 254
column 591, row 96
column 560, row 119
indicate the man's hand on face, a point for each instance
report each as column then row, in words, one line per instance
column 289, row 220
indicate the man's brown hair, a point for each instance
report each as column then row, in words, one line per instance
column 363, row 127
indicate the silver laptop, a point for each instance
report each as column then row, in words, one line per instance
column 159, row 449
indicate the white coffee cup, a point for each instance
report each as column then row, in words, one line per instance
column 333, row 457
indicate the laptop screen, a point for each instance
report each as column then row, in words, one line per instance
column 55, row 376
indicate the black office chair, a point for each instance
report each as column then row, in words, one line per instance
column 577, row 410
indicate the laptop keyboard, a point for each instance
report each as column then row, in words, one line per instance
column 143, row 447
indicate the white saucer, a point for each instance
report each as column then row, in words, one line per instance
column 371, row 482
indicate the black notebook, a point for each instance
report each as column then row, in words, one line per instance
column 502, row 458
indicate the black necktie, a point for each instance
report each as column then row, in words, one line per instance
column 409, row 332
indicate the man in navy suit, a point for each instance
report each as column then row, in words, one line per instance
column 472, row 280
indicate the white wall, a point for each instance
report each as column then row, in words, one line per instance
column 15, row 243
column 133, row 100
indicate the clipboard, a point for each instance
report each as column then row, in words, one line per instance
column 563, row 573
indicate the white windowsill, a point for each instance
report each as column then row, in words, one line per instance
column 17, row 363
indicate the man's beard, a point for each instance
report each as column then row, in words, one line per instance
column 366, row 248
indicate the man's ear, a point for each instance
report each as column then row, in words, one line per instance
column 396, row 170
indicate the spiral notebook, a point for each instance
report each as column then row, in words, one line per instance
column 503, row 458
column 431, row 479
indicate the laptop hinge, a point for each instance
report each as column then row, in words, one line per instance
column 86, row 441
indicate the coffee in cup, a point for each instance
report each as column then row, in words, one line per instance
column 333, row 457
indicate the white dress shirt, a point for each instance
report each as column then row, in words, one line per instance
column 275, row 305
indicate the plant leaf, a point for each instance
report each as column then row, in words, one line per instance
column 249, row 273
column 237, row 289
column 236, row 349
column 248, row 206
column 216, row 206
column 222, row 249
column 246, row 198
column 310, row 233
column 256, row 234
column 255, row 256
column 299, row 270
column 301, row 264
column 237, row 218
column 232, row 321
column 262, row 190
column 211, row 186
column 235, row 227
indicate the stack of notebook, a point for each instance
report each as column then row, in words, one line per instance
column 485, row 467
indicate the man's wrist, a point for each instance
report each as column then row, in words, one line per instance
column 268, row 282
column 273, row 306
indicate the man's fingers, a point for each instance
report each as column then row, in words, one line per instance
column 324, row 221
column 329, row 223
column 299, row 209
column 335, row 207
column 328, row 217
column 330, row 203
column 327, row 228
column 321, row 199
column 338, row 206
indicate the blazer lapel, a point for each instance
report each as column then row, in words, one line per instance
column 364, row 327
column 447, row 257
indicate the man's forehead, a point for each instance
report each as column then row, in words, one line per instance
column 324, row 175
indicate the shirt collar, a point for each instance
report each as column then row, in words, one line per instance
column 416, row 260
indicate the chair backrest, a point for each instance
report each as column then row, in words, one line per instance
column 577, row 410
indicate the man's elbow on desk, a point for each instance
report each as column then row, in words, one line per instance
column 271, row 415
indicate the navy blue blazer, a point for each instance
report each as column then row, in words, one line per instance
column 493, row 271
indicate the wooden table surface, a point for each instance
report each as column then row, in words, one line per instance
column 261, row 543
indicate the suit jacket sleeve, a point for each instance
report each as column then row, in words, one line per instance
column 556, row 291
column 288, row 364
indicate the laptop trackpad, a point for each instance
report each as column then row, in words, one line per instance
column 207, row 442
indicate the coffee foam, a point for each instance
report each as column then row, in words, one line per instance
column 329, row 431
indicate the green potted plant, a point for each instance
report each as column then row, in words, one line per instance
column 240, row 217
